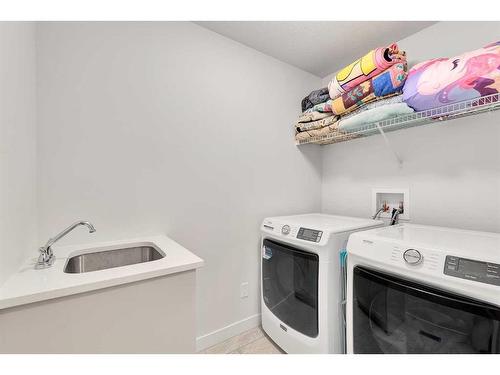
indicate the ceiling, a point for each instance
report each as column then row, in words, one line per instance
column 320, row 47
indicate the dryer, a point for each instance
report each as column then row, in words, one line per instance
column 301, row 280
column 422, row 289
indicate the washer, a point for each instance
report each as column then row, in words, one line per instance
column 422, row 289
column 301, row 280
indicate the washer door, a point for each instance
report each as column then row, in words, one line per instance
column 392, row 315
column 290, row 286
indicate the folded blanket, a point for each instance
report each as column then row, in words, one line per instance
column 356, row 121
column 373, row 63
column 389, row 99
column 321, row 107
column 330, row 130
column 315, row 97
column 442, row 81
column 302, row 126
column 317, row 132
column 388, row 82
column 313, row 116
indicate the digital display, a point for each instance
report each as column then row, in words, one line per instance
column 309, row 234
column 471, row 266
column 474, row 270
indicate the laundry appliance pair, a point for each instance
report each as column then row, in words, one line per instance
column 403, row 289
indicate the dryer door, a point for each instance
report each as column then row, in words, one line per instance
column 290, row 286
column 393, row 315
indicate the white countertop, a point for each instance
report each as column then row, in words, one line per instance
column 28, row 285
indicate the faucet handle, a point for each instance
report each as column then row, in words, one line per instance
column 46, row 258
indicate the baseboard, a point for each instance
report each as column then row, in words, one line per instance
column 233, row 329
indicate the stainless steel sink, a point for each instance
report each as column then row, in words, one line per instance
column 112, row 258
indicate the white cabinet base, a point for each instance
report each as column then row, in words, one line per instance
column 149, row 316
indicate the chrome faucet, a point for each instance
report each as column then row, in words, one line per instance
column 46, row 257
column 385, row 208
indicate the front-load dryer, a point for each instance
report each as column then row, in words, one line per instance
column 416, row 289
column 301, row 280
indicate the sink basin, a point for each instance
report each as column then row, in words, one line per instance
column 102, row 260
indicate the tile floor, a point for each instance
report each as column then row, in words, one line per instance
column 253, row 341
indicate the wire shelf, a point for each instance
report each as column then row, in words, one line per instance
column 447, row 112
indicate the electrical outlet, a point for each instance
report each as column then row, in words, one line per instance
column 244, row 290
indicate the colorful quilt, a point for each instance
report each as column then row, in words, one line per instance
column 368, row 66
column 388, row 82
column 437, row 82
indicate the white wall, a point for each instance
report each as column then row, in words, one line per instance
column 17, row 145
column 168, row 127
column 452, row 169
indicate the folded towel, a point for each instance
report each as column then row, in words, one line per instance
column 315, row 97
column 386, row 83
column 368, row 66
column 438, row 82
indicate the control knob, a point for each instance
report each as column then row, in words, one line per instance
column 412, row 257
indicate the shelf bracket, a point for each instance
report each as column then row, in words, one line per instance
column 388, row 144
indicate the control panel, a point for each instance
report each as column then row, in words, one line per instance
column 482, row 272
column 307, row 234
